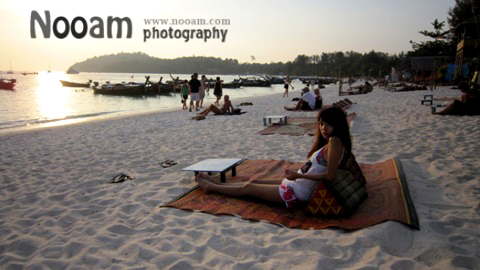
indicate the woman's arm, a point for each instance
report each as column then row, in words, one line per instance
column 334, row 154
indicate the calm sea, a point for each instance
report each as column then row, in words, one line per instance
column 40, row 100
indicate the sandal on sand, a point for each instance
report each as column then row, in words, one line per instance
column 120, row 178
column 168, row 163
column 198, row 117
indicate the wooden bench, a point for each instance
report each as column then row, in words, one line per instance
column 221, row 165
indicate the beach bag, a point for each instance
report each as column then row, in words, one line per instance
column 341, row 197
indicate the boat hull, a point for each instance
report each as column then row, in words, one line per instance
column 74, row 84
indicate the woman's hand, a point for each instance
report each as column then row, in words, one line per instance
column 291, row 175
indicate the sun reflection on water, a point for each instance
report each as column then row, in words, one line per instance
column 53, row 100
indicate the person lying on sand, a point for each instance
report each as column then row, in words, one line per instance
column 469, row 103
column 226, row 108
column 332, row 144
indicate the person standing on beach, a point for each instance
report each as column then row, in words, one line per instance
column 217, row 90
column 194, row 90
column 332, row 145
column 175, row 84
column 203, row 87
column 184, row 94
column 288, row 83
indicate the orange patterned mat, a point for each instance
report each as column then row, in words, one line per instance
column 388, row 198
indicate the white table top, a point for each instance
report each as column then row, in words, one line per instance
column 213, row 165
column 275, row 116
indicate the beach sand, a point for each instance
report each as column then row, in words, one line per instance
column 58, row 209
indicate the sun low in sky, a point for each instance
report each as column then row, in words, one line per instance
column 271, row 31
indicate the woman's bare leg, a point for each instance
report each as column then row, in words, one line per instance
column 256, row 181
column 265, row 192
column 267, row 182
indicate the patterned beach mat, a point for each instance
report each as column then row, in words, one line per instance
column 388, row 198
column 298, row 126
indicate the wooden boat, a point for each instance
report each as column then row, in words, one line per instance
column 128, row 89
column 249, row 82
column 121, row 89
column 233, row 84
column 7, row 84
column 74, row 84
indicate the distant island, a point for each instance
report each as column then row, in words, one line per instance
column 326, row 64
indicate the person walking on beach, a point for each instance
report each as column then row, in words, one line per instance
column 184, row 94
column 332, row 144
column 194, row 90
column 203, row 87
column 217, row 90
column 288, row 83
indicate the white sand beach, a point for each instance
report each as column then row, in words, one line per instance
column 59, row 211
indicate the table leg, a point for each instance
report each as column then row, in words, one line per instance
column 285, row 120
column 264, row 121
column 269, row 121
column 222, row 177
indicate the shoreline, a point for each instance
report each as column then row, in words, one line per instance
column 108, row 116
column 58, row 207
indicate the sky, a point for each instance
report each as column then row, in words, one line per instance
column 270, row 31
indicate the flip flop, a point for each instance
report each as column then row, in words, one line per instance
column 120, row 178
column 168, row 163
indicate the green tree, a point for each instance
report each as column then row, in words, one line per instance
column 442, row 45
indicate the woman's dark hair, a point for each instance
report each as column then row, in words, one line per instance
column 463, row 86
column 338, row 120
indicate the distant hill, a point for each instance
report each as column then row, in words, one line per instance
column 327, row 64
column 143, row 63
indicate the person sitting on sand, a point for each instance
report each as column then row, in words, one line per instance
column 469, row 103
column 226, row 108
column 306, row 102
column 332, row 144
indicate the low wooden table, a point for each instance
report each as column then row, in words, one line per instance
column 221, row 165
column 434, row 107
column 427, row 99
column 282, row 118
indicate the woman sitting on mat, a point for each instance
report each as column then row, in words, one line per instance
column 332, row 144
column 469, row 103
column 227, row 108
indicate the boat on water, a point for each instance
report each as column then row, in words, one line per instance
column 255, row 82
column 74, row 84
column 7, row 84
column 128, row 89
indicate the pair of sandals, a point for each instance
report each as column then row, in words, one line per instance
column 168, row 163
column 120, row 178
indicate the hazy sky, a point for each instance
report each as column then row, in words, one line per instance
column 271, row 31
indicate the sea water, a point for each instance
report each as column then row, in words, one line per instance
column 41, row 100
